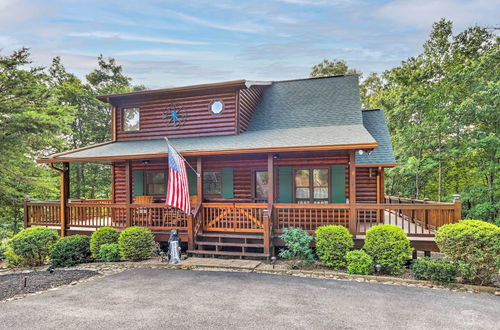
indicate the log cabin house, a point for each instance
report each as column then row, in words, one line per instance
column 296, row 153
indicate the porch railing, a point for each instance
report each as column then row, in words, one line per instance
column 420, row 218
column 233, row 216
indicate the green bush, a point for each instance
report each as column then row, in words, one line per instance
column 31, row 247
column 388, row 246
column 434, row 270
column 359, row 262
column 136, row 243
column 70, row 251
column 4, row 233
column 297, row 243
column 109, row 252
column 332, row 245
column 104, row 235
column 474, row 247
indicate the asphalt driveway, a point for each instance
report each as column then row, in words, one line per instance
column 162, row 298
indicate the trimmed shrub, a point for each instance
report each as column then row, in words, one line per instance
column 332, row 245
column 104, row 235
column 474, row 247
column 136, row 243
column 434, row 270
column 70, row 251
column 297, row 242
column 388, row 246
column 31, row 247
column 359, row 262
column 109, row 252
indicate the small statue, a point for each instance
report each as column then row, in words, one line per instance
column 174, row 247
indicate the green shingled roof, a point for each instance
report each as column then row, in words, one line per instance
column 296, row 113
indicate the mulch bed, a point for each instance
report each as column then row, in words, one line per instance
column 29, row 282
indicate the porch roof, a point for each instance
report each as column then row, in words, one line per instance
column 272, row 140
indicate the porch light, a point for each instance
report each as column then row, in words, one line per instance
column 146, row 162
column 360, row 152
column 378, row 268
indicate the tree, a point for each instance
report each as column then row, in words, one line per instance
column 332, row 68
column 31, row 123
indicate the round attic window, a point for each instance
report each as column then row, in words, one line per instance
column 216, row 107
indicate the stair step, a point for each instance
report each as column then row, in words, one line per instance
column 230, row 244
column 231, row 235
column 230, row 253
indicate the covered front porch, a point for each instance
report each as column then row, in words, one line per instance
column 243, row 201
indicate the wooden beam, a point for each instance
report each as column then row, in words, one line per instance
column 64, row 197
column 113, row 123
column 199, row 179
column 352, row 192
column 129, row 188
column 270, row 178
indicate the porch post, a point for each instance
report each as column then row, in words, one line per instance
column 457, row 208
column 128, row 192
column 352, row 192
column 64, row 197
column 268, row 219
column 199, row 179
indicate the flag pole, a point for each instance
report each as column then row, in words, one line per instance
column 168, row 142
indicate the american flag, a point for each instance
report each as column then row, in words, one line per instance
column 177, row 187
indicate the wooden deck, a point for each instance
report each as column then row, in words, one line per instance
column 418, row 220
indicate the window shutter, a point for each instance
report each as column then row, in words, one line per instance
column 337, row 183
column 285, row 184
column 192, row 181
column 227, row 182
column 138, row 183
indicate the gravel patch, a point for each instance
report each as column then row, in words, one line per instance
column 14, row 284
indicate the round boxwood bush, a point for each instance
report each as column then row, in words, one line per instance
column 474, row 247
column 109, row 253
column 70, row 251
column 388, row 246
column 359, row 262
column 332, row 245
column 104, row 235
column 434, row 270
column 31, row 247
column 136, row 243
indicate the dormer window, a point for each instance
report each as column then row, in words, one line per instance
column 131, row 119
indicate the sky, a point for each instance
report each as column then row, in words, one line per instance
column 176, row 43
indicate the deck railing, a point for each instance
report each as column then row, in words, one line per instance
column 310, row 216
column 420, row 218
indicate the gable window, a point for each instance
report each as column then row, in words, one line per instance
column 261, row 185
column 212, row 183
column 131, row 120
column 311, row 186
column 155, row 183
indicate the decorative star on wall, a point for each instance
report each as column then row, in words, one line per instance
column 174, row 115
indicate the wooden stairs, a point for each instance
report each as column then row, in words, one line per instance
column 238, row 244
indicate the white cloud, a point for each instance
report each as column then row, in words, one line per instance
column 423, row 13
column 132, row 37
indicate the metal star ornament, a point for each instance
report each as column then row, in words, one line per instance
column 174, row 115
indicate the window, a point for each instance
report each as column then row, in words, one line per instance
column 155, row 183
column 311, row 186
column 212, row 183
column 131, row 119
column 261, row 185
column 216, row 107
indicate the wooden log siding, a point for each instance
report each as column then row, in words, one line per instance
column 199, row 121
column 247, row 99
column 243, row 169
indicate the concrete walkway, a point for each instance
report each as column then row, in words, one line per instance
column 165, row 298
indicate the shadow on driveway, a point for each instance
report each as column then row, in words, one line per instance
column 162, row 298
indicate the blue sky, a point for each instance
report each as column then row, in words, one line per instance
column 175, row 43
